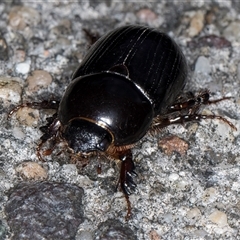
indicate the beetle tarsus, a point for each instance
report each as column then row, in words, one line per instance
column 129, row 208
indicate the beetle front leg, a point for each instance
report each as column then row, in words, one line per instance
column 50, row 131
column 126, row 177
column 45, row 104
column 127, row 172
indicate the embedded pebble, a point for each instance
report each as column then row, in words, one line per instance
column 38, row 79
column 146, row 15
column 45, row 209
column 18, row 133
column 203, row 65
column 69, row 172
column 10, row 90
column 182, row 185
column 193, row 214
column 196, row 24
column 61, row 30
column 219, row 218
column 209, row 195
column 167, row 218
column 31, row 171
column 154, row 235
column 148, row 148
column 173, row 177
column 61, row 60
column 84, row 235
column 232, row 31
column 23, row 67
column 28, row 116
column 209, row 41
column 113, row 229
column 200, row 233
column 19, row 56
column 173, row 144
column 22, row 16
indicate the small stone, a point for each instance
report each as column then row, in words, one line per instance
column 69, row 172
column 193, row 214
column 63, row 29
column 23, row 68
column 154, row 235
column 232, row 31
column 203, row 65
column 146, row 15
column 173, row 177
column 113, row 229
column 211, row 41
column 182, row 185
column 84, row 235
column 173, row 144
column 167, row 218
column 10, row 89
column 209, row 195
column 44, row 210
column 149, row 148
column 200, row 233
column 38, row 79
column 21, row 16
column 19, row 56
column 31, row 171
column 28, row 116
column 196, row 24
column 219, row 218
column 18, row 133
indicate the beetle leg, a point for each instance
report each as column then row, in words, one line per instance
column 46, row 104
column 164, row 122
column 192, row 103
column 127, row 172
column 50, row 131
column 126, row 177
column 186, row 109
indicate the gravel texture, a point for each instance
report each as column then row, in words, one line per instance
column 191, row 192
column 46, row 210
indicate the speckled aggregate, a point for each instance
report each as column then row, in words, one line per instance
column 194, row 195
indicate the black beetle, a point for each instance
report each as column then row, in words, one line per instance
column 129, row 83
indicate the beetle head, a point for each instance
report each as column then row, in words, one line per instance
column 84, row 136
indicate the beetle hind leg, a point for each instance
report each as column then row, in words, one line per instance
column 181, row 119
column 186, row 109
